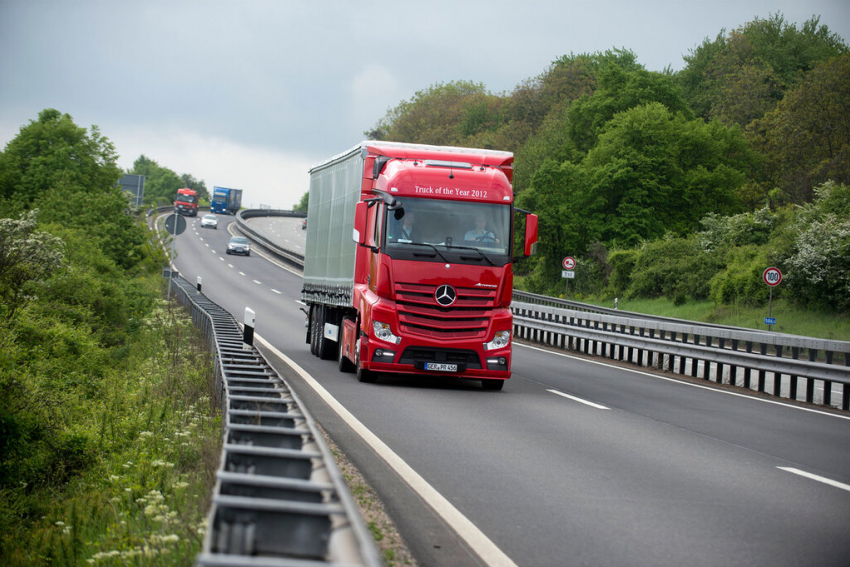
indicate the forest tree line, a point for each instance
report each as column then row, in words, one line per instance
column 682, row 184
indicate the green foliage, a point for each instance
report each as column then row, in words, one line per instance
column 741, row 279
column 27, row 256
column 805, row 140
column 161, row 183
column 620, row 90
column 671, row 267
column 622, row 264
column 53, row 153
column 301, row 206
column 819, row 265
column 740, row 77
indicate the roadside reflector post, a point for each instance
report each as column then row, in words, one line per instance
column 199, row 283
column 248, row 333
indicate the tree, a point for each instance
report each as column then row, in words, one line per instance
column 739, row 77
column 301, row 206
column 654, row 171
column 805, row 140
column 161, row 183
column 443, row 114
column 198, row 185
column 54, row 153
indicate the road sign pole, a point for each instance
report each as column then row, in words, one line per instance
column 770, row 306
column 171, row 263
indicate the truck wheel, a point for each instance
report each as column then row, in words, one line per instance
column 314, row 343
column 363, row 375
column 495, row 385
column 342, row 361
column 325, row 346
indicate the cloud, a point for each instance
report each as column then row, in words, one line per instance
column 371, row 88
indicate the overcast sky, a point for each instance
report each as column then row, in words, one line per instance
column 251, row 94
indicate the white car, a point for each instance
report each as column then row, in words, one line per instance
column 209, row 221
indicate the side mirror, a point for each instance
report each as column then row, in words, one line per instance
column 530, row 234
column 360, row 212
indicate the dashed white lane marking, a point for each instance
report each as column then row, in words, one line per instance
column 489, row 553
column 577, row 399
column 241, row 273
column 276, row 291
column 258, row 283
column 824, row 480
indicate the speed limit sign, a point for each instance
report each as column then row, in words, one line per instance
column 772, row 276
column 569, row 263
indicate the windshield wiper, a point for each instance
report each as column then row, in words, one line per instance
column 434, row 248
column 483, row 255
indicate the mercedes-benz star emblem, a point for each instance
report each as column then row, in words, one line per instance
column 445, row 295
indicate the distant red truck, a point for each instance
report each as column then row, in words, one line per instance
column 408, row 266
column 186, row 202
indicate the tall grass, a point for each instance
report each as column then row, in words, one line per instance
column 143, row 497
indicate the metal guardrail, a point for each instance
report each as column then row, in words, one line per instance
column 730, row 356
column 286, row 255
column 279, row 499
column 727, row 354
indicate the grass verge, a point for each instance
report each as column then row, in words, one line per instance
column 143, row 498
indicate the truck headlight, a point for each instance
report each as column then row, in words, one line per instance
column 500, row 340
column 384, row 332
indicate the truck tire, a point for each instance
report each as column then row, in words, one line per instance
column 326, row 347
column 363, row 375
column 343, row 363
column 314, row 343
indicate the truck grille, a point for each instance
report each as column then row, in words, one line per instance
column 420, row 314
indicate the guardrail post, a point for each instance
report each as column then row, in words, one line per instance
column 795, row 354
column 810, row 384
column 248, row 333
column 747, row 369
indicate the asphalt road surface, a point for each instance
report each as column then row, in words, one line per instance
column 576, row 462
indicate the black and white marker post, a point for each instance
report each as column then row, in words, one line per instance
column 199, row 284
column 248, row 332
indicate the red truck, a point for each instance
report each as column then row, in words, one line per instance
column 408, row 263
column 186, row 202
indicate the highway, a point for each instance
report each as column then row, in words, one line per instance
column 576, row 462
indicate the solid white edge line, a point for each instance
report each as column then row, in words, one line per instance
column 824, row 480
column 579, row 400
column 480, row 543
column 686, row 383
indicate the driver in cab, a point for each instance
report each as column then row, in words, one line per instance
column 480, row 233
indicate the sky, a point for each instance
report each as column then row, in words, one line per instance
column 250, row 94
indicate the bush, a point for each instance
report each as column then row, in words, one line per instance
column 669, row 267
column 741, row 280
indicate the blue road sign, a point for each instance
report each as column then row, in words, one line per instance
column 770, row 320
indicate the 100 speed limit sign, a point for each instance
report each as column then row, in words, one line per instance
column 772, row 276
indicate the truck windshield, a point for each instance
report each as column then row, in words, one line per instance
column 185, row 198
column 459, row 231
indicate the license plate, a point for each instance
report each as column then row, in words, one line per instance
column 440, row 367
